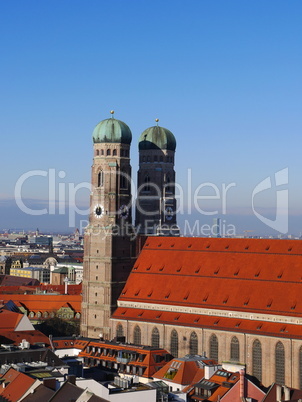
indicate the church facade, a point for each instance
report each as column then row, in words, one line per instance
column 236, row 300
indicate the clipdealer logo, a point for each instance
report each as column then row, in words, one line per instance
column 62, row 199
column 280, row 223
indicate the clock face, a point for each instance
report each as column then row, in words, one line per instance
column 123, row 211
column 169, row 213
column 98, row 211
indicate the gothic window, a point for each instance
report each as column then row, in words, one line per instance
column 257, row 360
column 137, row 335
column 235, row 349
column 279, row 363
column 119, row 331
column 108, row 152
column 300, row 367
column 214, row 347
column 100, row 178
column 193, row 344
column 174, row 343
column 147, row 183
column 114, row 152
column 155, row 338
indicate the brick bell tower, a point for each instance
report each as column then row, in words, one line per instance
column 108, row 245
column 156, row 203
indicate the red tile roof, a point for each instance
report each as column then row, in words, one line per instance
column 182, row 371
column 72, row 289
column 10, row 280
column 15, row 338
column 44, row 302
column 9, row 320
column 212, row 273
column 17, row 384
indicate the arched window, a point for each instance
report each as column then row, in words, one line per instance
column 114, row 152
column 193, row 344
column 108, row 152
column 279, row 363
column 119, row 331
column 174, row 343
column 300, row 367
column 100, row 178
column 257, row 360
column 137, row 336
column 214, row 347
column 97, row 152
column 147, row 183
column 235, row 349
column 155, row 338
column 102, row 152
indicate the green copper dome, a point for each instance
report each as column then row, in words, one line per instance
column 157, row 138
column 112, row 130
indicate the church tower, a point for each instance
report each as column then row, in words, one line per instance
column 156, row 204
column 108, row 248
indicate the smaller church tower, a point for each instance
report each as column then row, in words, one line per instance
column 156, row 204
column 108, row 245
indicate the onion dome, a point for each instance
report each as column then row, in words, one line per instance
column 112, row 130
column 157, row 137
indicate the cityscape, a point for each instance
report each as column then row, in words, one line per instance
column 150, row 214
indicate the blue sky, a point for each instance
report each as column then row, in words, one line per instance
column 224, row 76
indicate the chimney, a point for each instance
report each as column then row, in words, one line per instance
column 72, row 379
column 242, row 383
column 286, row 393
column 278, row 393
column 50, row 383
